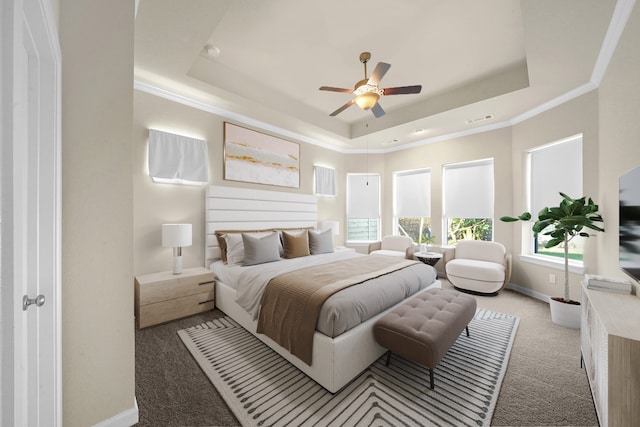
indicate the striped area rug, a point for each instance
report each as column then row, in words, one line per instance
column 263, row 389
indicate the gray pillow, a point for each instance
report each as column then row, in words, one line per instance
column 320, row 243
column 258, row 250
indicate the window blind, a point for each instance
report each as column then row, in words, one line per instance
column 469, row 190
column 363, row 196
column 555, row 168
column 413, row 194
column 177, row 159
column 325, row 180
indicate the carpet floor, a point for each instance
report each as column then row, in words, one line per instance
column 264, row 389
column 543, row 385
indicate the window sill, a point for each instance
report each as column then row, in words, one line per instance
column 576, row 267
column 360, row 242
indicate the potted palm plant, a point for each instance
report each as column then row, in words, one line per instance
column 562, row 223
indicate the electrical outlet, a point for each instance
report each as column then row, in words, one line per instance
column 552, row 278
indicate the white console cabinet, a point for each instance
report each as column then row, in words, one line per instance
column 610, row 344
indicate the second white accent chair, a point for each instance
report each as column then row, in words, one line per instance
column 400, row 246
column 477, row 266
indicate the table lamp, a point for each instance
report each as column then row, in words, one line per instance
column 176, row 236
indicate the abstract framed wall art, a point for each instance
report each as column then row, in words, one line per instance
column 251, row 156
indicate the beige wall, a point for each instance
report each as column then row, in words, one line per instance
column 155, row 204
column 158, row 203
column 97, row 225
column 493, row 144
column 577, row 116
column 619, row 141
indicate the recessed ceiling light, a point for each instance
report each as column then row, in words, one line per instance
column 418, row 131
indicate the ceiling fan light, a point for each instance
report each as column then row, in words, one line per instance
column 367, row 100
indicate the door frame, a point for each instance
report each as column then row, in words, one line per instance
column 21, row 395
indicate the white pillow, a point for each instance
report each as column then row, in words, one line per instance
column 321, row 243
column 258, row 250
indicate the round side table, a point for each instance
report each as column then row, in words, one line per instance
column 430, row 258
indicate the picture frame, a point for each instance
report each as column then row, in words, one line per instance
column 252, row 156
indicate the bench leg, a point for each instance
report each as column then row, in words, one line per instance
column 388, row 358
column 431, row 386
column 467, row 329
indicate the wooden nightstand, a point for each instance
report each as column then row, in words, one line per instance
column 161, row 297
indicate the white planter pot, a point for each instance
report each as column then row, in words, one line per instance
column 563, row 314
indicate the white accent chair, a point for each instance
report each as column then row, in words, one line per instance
column 400, row 246
column 477, row 266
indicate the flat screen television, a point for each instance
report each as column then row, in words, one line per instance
column 629, row 231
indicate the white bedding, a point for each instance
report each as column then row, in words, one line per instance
column 342, row 311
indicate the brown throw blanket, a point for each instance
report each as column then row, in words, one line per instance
column 292, row 301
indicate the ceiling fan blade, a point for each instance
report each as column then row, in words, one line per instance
column 377, row 110
column 336, row 89
column 378, row 73
column 402, row 90
column 341, row 109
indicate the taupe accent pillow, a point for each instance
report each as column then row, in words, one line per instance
column 258, row 250
column 295, row 245
column 320, row 242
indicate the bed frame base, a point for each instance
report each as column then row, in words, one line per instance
column 336, row 361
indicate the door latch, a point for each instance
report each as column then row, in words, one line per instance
column 26, row 301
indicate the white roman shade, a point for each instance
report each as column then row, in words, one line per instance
column 363, row 196
column 413, row 194
column 177, row 159
column 555, row 168
column 469, row 190
column 325, row 180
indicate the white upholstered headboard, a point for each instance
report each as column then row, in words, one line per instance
column 228, row 208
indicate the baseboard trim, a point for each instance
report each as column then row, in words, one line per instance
column 123, row 419
column 528, row 292
column 516, row 288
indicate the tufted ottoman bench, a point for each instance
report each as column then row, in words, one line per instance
column 423, row 328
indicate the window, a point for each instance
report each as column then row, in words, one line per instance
column 555, row 168
column 363, row 207
column 325, row 180
column 412, row 205
column 177, row 159
column 468, row 201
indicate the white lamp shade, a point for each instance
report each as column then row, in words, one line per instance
column 176, row 235
column 333, row 225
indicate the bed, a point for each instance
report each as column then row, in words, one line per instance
column 336, row 356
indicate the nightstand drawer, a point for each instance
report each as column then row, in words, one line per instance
column 159, row 312
column 152, row 290
column 176, row 288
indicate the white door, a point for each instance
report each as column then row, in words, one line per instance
column 30, row 198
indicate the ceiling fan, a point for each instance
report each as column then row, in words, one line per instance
column 366, row 91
